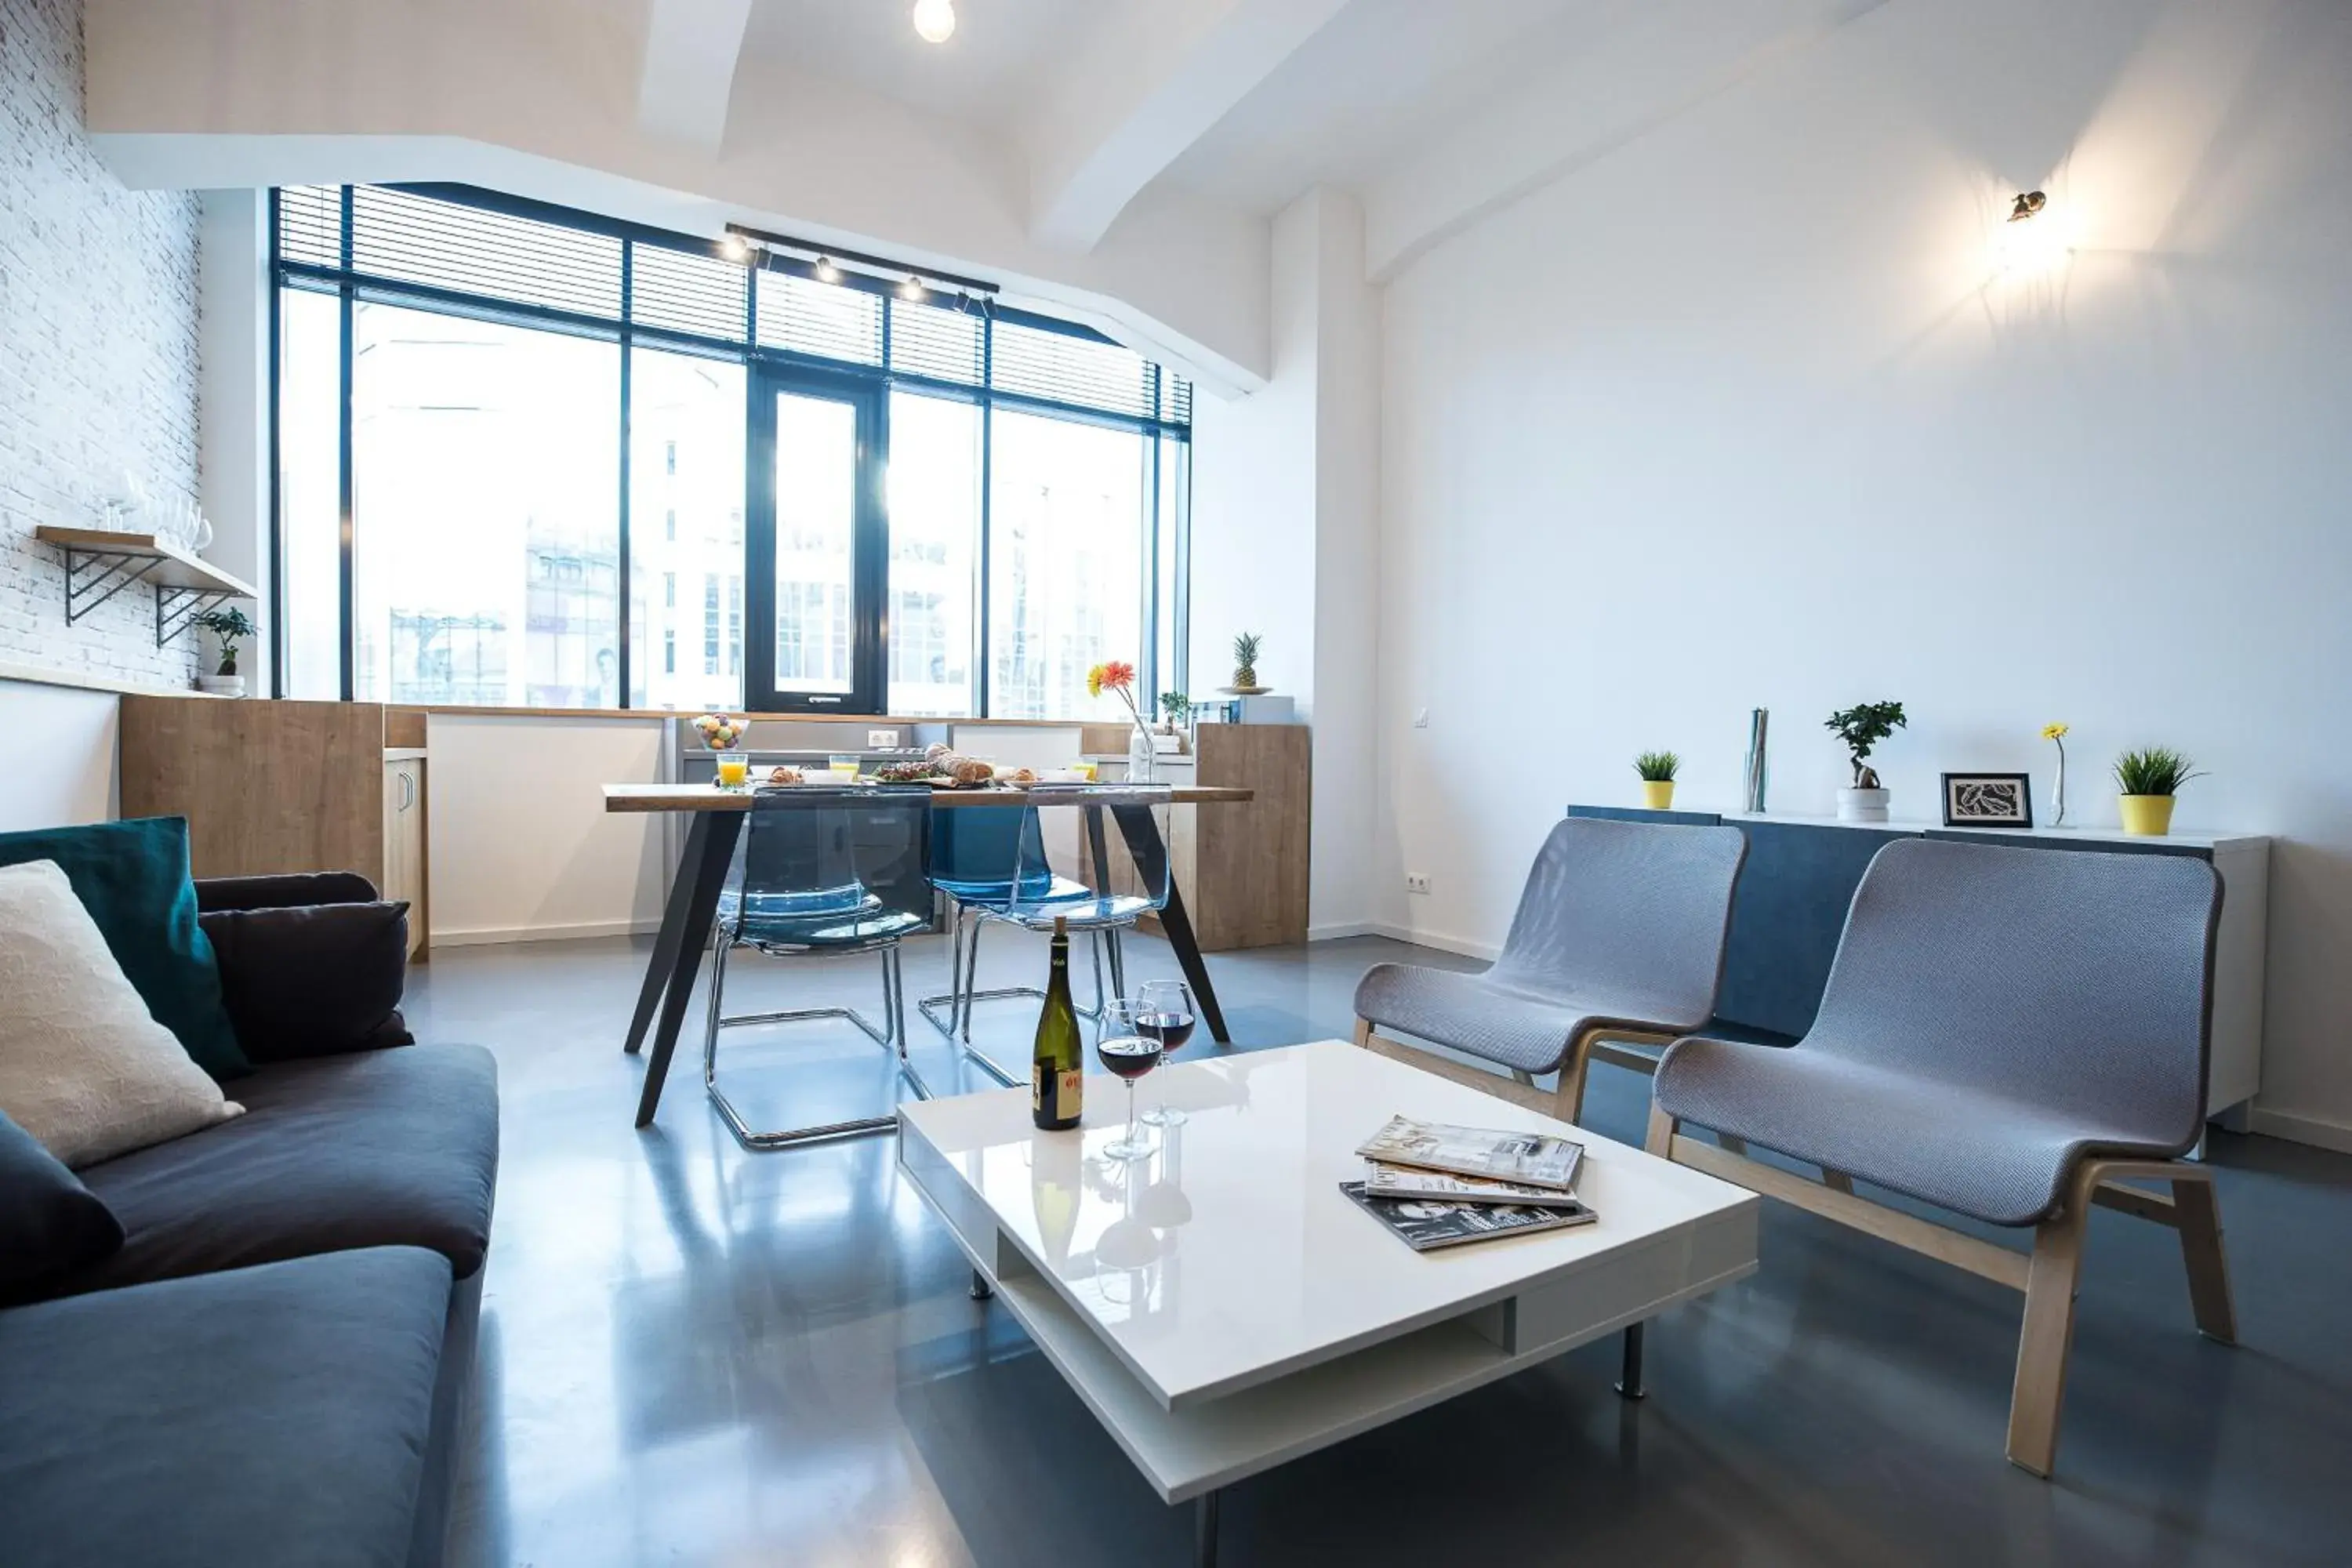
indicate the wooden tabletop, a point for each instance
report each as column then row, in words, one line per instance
column 709, row 797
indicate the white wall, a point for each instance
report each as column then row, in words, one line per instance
column 98, row 353
column 1285, row 539
column 521, row 846
column 233, row 339
column 57, row 756
column 1742, row 415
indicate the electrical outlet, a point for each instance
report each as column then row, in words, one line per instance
column 1416, row 881
column 881, row 738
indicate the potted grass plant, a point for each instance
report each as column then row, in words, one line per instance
column 2145, row 782
column 1862, row 728
column 1656, row 771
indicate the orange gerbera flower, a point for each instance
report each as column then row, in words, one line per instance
column 1111, row 676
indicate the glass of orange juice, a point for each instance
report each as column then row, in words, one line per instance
column 734, row 768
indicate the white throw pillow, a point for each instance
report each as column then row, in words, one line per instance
column 84, row 1067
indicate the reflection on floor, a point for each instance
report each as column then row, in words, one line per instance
column 691, row 1354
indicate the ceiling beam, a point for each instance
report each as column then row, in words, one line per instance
column 1149, row 82
column 691, row 47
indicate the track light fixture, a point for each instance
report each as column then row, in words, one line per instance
column 735, row 247
column 912, row 289
column 2027, row 205
column 826, row 272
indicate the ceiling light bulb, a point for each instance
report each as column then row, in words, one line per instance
column 826, row 272
column 735, row 247
column 935, row 20
column 912, row 288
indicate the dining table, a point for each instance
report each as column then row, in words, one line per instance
column 715, row 823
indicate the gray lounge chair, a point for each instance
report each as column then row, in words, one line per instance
column 2008, row 1033
column 1618, row 940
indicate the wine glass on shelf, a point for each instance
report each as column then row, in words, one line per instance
column 1124, row 1049
column 1168, row 1015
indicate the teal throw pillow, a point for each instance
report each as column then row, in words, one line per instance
column 134, row 878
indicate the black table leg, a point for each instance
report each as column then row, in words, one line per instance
column 980, row 1289
column 681, row 897
column 709, row 847
column 1204, row 1530
column 1629, row 1378
column 1143, row 842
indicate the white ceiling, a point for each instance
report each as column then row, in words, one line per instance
column 1384, row 76
column 1003, row 52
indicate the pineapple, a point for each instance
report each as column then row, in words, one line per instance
column 1245, row 648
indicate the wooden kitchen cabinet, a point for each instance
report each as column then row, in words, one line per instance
column 287, row 786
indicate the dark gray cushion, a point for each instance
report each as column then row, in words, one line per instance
column 263, row 1416
column 313, row 980
column 49, row 1223
column 396, row 1147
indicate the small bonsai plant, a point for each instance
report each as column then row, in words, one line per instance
column 1657, row 767
column 230, row 627
column 1862, row 728
column 1245, row 648
column 1175, row 708
column 2158, row 770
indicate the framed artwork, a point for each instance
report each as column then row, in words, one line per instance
column 1988, row 800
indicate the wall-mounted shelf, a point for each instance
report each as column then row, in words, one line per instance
column 100, row 563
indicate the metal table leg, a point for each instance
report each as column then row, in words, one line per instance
column 1204, row 1530
column 1143, row 842
column 1629, row 1378
column 709, row 847
column 980, row 1289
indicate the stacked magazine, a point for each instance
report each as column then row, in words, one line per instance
column 1435, row 1186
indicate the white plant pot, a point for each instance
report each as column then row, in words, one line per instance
column 1862, row 805
column 222, row 685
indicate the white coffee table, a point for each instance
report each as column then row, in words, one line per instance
column 1223, row 1308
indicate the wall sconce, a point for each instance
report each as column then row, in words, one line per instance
column 2027, row 205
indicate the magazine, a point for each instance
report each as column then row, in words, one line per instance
column 1538, row 1159
column 1426, row 1225
column 1385, row 1181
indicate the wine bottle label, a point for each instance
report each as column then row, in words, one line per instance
column 1068, row 1090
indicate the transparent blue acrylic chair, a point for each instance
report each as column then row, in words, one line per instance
column 1003, row 865
column 823, row 872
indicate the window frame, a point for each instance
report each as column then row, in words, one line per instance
column 1167, row 397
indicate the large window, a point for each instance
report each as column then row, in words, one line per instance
column 535, row 457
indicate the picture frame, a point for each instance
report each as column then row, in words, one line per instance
column 1989, row 800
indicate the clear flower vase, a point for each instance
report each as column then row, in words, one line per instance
column 1143, row 757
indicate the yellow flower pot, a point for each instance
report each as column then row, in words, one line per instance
column 1658, row 794
column 2146, row 815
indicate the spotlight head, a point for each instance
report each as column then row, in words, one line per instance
column 2028, row 203
column 826, row 272
column 935, row 20
column 735, row 247
column 912, row 288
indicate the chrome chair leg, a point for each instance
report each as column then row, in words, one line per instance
column 1117, row 967
column 891, row 1037
column 964, row 971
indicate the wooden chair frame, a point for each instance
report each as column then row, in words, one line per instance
column 2050, row 1276
column 1602, row 1042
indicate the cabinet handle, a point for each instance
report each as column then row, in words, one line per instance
column 408, row 791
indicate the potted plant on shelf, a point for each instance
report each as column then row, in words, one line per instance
column 1175, row 710
column 1656, row 771
column 1862, row 728
column 1245, row 650
column 229, row 627
column 1142, row 757
column 2148, row 781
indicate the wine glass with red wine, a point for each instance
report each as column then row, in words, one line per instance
column 1127, row 1050
column 1166, row 1014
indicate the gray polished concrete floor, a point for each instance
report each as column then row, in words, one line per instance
column 691, row 1354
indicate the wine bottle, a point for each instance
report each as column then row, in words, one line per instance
column 1057, row 1068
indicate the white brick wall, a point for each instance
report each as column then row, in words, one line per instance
column 97, row 351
